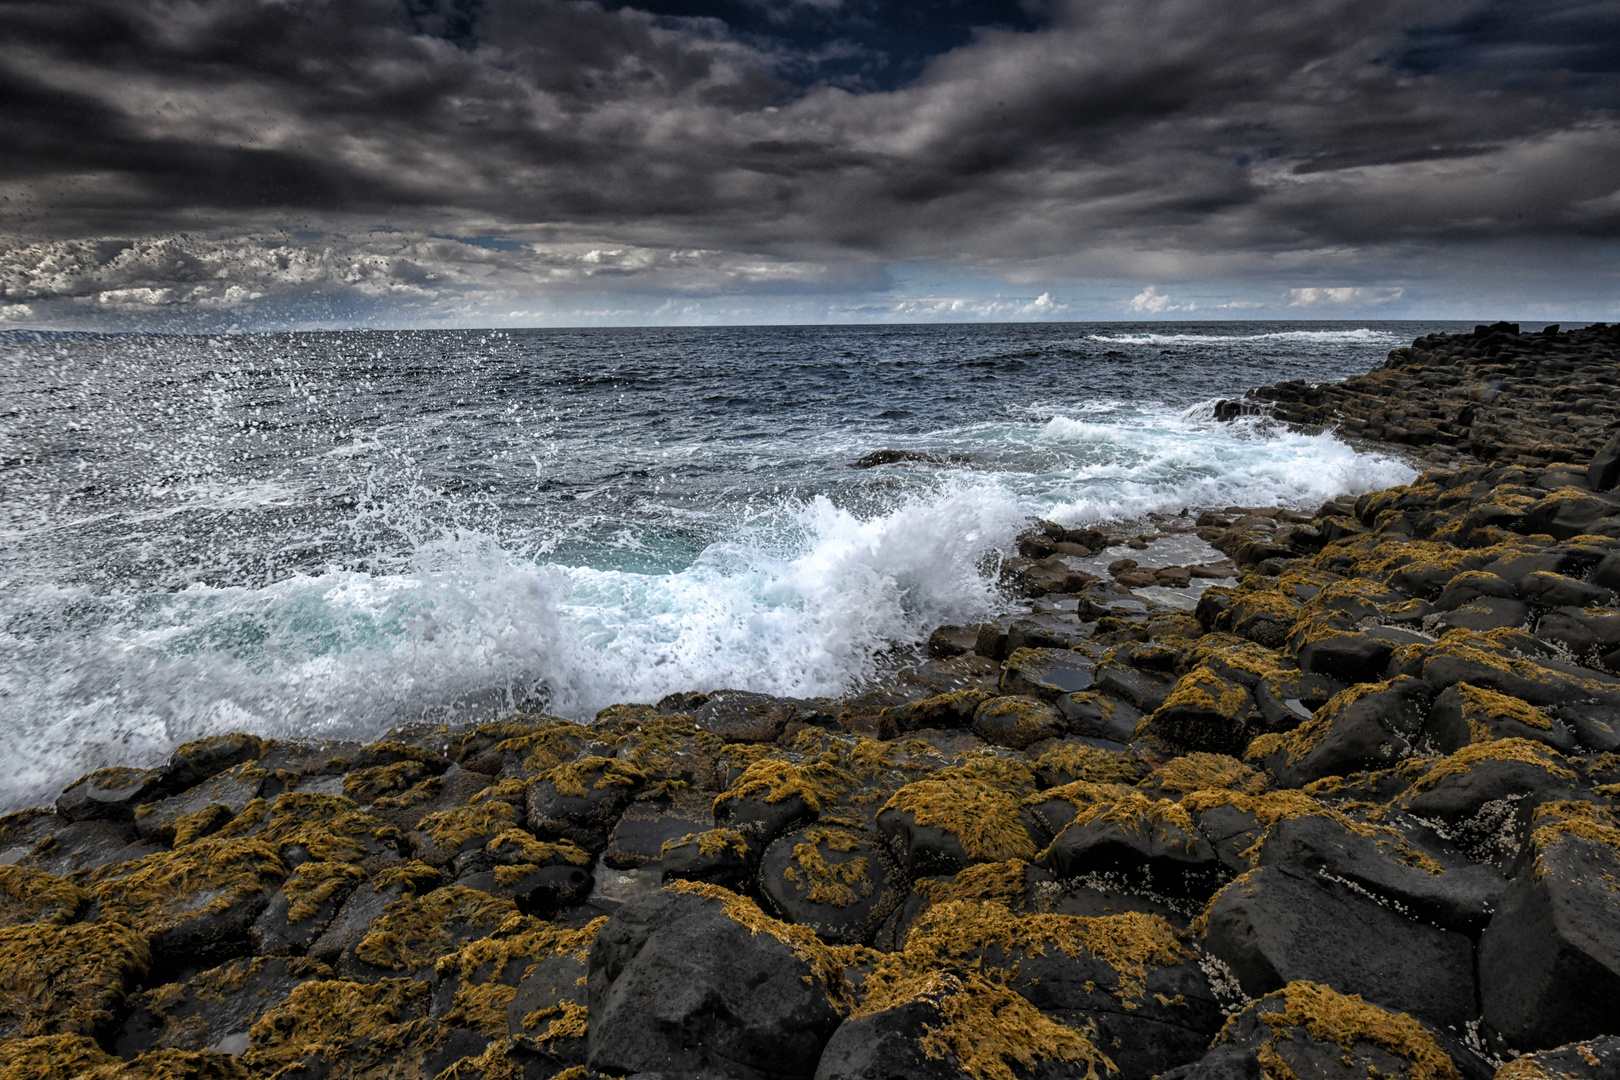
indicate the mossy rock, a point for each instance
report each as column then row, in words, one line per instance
column 839, row 881
column 1017, row 722
column 1092, row 715
column 33, row 896
column 1465, row 714
column 725, row 857
column 195, row 903
column 203, row 759
column 672, row 751
column 413, row 934
column 773, row 794
column 1370, row 726
column 213, row 1009
column 581, row 801
column 1307, row 1029
column 442, row 836
column 1073, row 760
column 951, row 822
column 199, row 810
column 346, row 1030
column 327, row 827
column 366, row 903
column 68, row 980
column 949, row 710
column 304, row 907
column 528, row 980
column 1204, row 712
column 1142, row 839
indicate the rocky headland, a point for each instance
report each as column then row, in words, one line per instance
column 1334, row 799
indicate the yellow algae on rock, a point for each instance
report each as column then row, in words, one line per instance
column 577, row 778
column 69, row 979
column 1345, row 1019
column 775, row 780
column 413, row 933
column 837, row 883
column 712, row 842
column 988, row 1029
column 1200, row 771
column 158, row 893
column 33, row 896
column 483, row 995
column 1088, row 763
column 327, row 1018
column 983, row 817
column 51, row 1057
column 314, row 883
column 326, row 826
column 1524, row 751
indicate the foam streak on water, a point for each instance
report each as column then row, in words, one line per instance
column 328, row 535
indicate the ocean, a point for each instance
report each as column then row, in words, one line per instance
column 325, row 535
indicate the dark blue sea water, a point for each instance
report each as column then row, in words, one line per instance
column 328, row 534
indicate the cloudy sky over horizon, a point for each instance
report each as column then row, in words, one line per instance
column 268, row 163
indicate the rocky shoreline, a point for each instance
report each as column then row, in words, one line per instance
column 1335, row 799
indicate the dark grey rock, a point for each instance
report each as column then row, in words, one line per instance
column 231, row 791
column 640, row 835
column 1276, row 925
column 1375, row 730
column 1428, row 880
column 676, row 985
column 1485, row 613
column 1349, row 658
column 1454, row 717
column 840, row 882
column 1149, row 844
column 110, row 794
column 197, row 761
column 1467, row 587
column 1549, row 962
column 1589, row 1059
column 740, row 716
column 1557, row 590
column 1047, row 674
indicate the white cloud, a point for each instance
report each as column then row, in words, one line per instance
column 15, row 312
column 1151, row 301
column 1338, row 296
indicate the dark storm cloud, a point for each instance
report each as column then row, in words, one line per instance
column 730, row 146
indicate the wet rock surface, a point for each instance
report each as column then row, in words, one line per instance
column 1247, row 793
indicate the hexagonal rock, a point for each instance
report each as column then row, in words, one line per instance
column 528, row 981
column 1428, row 880
column 1275, row 925
column 110, row 793
column 947, row 823
column 195, row 904
column 1465, row 714
column 197, row 761
column 68, row 979
column 720, row 856
column 1367, row 727
column 200, row 809
column 947, row 1026
column 1306, row 1029
column 835, row 880
column 1046, row 673
column 741, row 716
column 1135, row 835
column 1017, row 722
column 696, row 979
column 770, row 797
column 1549, row 962
column 581, row 801
column 1205, row 712
column 301, row 910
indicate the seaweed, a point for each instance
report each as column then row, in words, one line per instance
column 415, row 932
column 160, row 892
column 983, row 817
column 839, row 883
column 312, row 884
column 67, row 980
column 1345, row 1019
column 1201, row 771
column 28, row 895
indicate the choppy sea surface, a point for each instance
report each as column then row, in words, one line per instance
column 329, row 534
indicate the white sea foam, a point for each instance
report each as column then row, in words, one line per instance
column 1360, row 336
column 799, row 600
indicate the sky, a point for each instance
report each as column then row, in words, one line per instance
column 266, row 164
